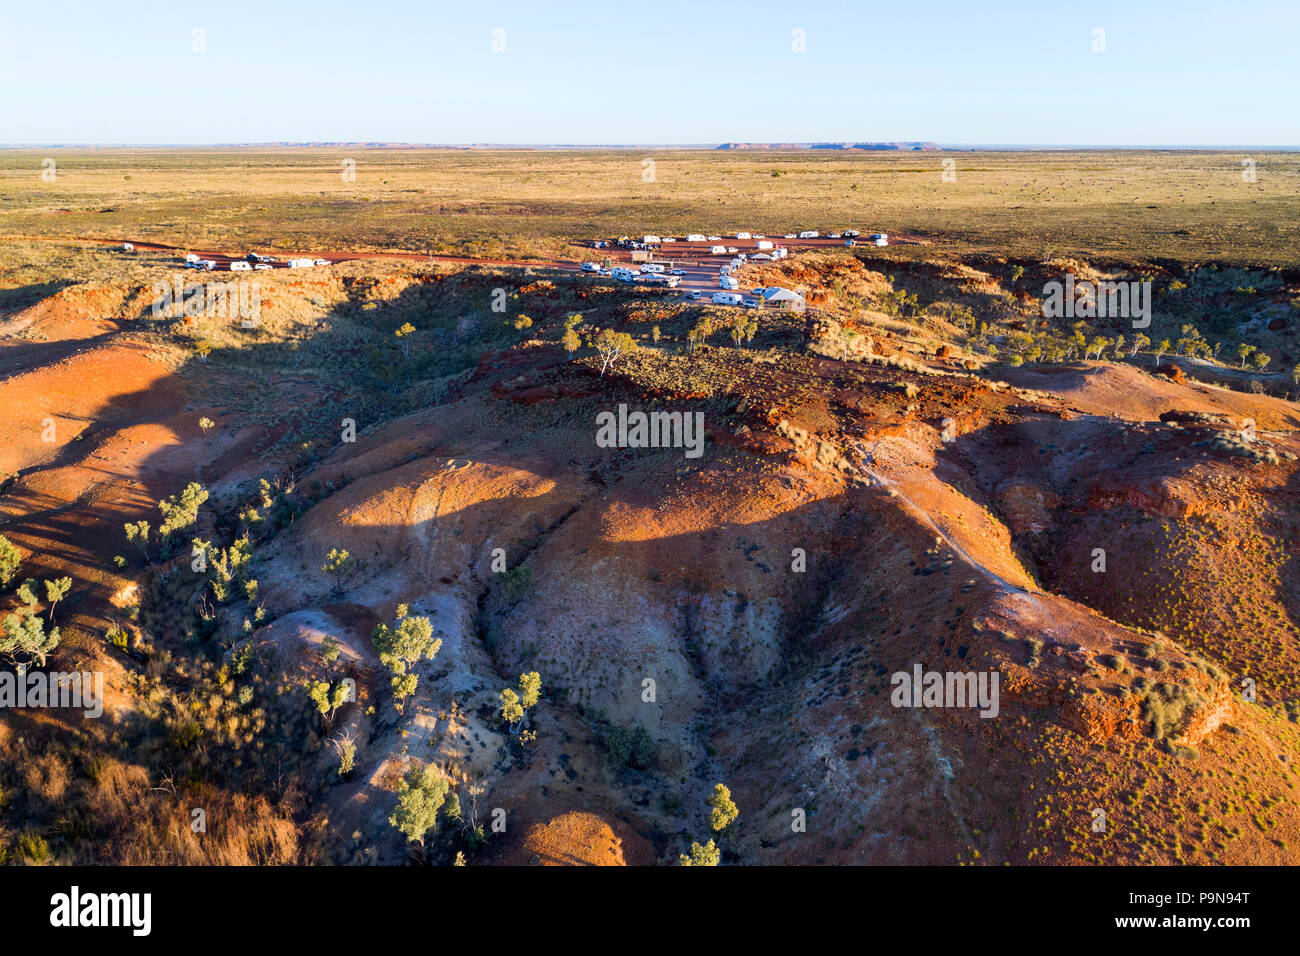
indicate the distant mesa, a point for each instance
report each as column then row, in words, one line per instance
column 875, row 147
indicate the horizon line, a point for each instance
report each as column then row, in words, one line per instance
column 862, row 146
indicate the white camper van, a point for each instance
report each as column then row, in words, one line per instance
column 652, row 267
column 742, row 235
column 695, row 237
column 727, row 282
column 622, row 274
column 808, row 234
column 651, row 240
column 241, row 267
column 765, row 244
column 727, row 298
column 717, row 250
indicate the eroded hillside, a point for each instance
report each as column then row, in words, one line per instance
column 876, row 492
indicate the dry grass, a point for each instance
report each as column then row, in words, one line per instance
column 1191, row 206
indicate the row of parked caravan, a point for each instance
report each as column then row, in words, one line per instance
column 251, row 262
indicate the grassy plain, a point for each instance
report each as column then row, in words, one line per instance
column 1118, row 206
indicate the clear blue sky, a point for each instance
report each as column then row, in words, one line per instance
column 664, row 71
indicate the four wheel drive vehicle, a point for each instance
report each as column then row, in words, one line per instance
column 759, row 235
column 834, row 235
column 732, row 250
column 669, row 239
column 677, row 272
column 693, row 294
column 263, row 265
column 750, row 303
column 715, row 238
column 757, row 290
column 790, row 235
column 726, row 298
column 590, row 267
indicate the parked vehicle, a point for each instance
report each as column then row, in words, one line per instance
column 790, row 235
column 651, row 240
column 622, row 274
column 695, row 237
column 727, row 282
column 127, row 247
column 742, row 235
column 241, row 266
column 715, row 238
column 671, row 281
column 732, row 250
column 717, row 250
column 852, row 232
column 191, row 258
column 765, row 244
column 263, row 265
column 693, row 295
column 834, row 235
column 677, row 272
column 652, row 267
column 726, row 298
column 750, row 303
column 207, row 265
column 322, row 262
column 808, row 234
column 590, row 267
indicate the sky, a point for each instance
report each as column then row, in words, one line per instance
column 649, row 73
